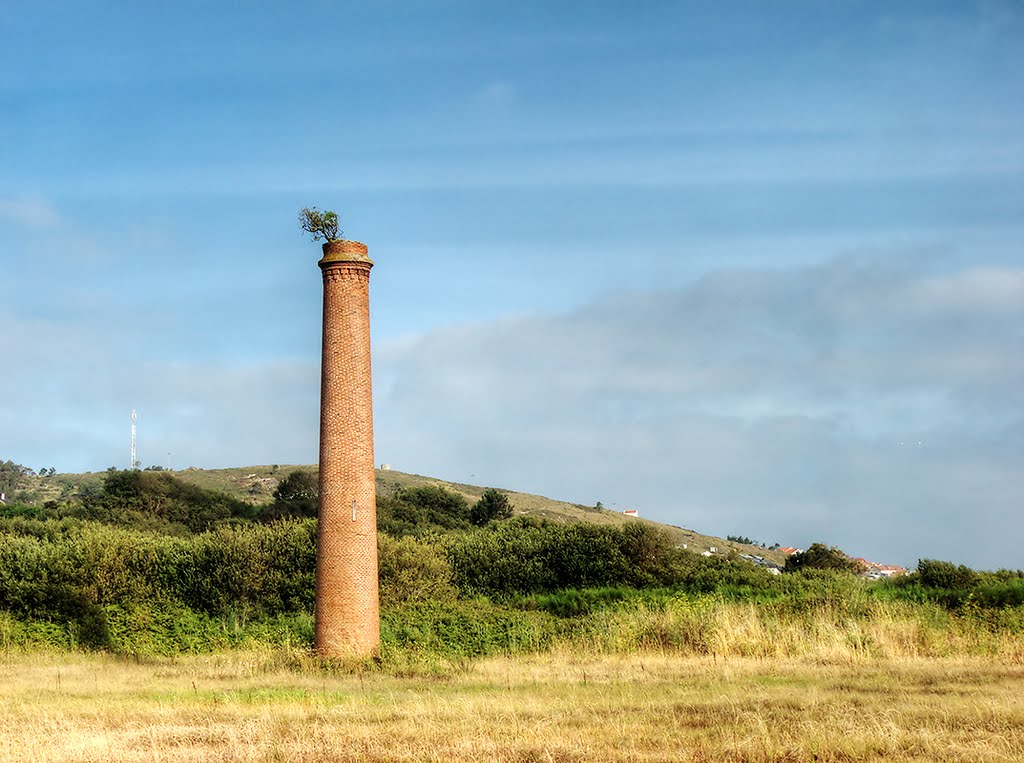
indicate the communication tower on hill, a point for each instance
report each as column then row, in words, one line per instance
column 134, row 463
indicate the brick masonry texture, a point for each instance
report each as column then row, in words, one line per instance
column 347, row 608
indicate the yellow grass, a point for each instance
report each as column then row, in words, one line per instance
column 649, row 706
column 882, row 630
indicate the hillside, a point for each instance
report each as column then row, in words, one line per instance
column 256, row 485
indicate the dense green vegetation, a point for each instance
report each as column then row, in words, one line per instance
column 492, row 506
column 151, row 564
column 822, row 557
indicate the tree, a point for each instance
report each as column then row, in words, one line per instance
column 319, row 224
column 297, row 495
column 415, row 510
column 493, row 505
column 821, row 557
column 938, row 574
column 156, row 498
column 12, row 476
column 438, row 505
column 741, row 539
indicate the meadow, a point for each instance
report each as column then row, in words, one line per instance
column 557, row 706
column 690, row 678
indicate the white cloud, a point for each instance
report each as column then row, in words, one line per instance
column 980, row 290
column 766, row 403
column 29, row 212
column 497, row 94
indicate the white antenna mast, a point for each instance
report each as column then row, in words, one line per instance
column 134, row 464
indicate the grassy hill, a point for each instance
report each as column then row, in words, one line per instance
column 256, row 485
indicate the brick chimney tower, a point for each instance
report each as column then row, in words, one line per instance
column 347, row 608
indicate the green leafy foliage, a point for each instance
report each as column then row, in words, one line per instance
column 492, row 506
column 412, row 571
column 421, row 510
column 822, row 557
column 574, row 602
column 939, row 574
column 320, row 225
column 259, row 568
column 957, row 587
column 160, row 501
column 524, row 555
column 12, row 476
column 145, row 563
column 742, row 539
column 297, row 495
column 467, row 629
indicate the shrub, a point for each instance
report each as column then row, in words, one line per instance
column 465, row 629
column 650, row 554
column 158, row 500
column 575, row 603
column 997, row 594
column 412, row 572
column 260, row 569
column 734, row 578
column 938, row 574
column 524, row 556
column 297, row 495
column 822, row 557
column 420, row 510
column 493, row 505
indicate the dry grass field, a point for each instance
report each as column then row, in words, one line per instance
column 652, row 706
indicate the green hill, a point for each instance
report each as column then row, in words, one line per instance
column 256, row 485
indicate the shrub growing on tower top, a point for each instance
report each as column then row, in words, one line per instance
column 320, row 225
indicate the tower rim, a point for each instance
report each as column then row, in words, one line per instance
column 344, row 250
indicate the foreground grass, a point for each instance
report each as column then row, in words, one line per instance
column 279, row 705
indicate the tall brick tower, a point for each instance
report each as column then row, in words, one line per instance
column 347, row 609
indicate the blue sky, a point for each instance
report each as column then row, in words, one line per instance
column 750, row 268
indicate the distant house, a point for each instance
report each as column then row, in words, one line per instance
column 893, row 569
column 789, row 550
column 760, row 561
column 631, row 512
column 876, row 571
column 3, row 497
column 886, row 570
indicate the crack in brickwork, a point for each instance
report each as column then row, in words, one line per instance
column 347, row 607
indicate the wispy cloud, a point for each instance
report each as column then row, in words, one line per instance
column 69, row 402
column 29, row 212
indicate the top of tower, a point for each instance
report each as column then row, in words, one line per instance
column 343, row 250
